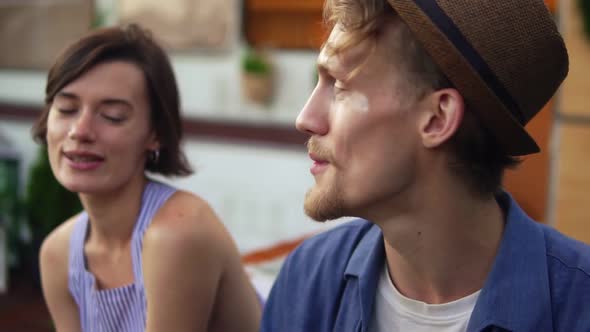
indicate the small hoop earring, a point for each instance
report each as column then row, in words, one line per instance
column 155, row 156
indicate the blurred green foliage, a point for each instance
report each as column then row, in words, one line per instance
column 47, row 202
column 11, row 207
column 255, row 63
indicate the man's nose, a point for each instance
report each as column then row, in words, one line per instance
column 313, row 119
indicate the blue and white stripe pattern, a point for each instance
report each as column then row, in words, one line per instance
column 120, row 309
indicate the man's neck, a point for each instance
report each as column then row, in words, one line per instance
column 442, row 246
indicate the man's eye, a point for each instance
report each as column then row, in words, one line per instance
column 339, row 85
column 338, row 89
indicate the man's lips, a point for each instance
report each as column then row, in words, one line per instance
column 319, row 164
column 317, row 159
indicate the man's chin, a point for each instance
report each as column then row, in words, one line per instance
column 323, row 206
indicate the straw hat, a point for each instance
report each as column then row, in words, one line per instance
column 505, row 57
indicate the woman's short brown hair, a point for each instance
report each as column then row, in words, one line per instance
column 133, row 44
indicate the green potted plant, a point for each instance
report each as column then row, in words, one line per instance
column 257, row 77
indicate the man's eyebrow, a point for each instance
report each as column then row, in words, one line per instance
column 322, row 62
column 327, row 63
column 322, row 67
column 338, row 64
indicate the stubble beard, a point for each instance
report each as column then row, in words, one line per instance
column 324, row 204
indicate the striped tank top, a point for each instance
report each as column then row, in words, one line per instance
column 120, row 309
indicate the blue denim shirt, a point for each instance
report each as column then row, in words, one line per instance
column 540, row 281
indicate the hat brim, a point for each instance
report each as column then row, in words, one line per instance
column 510, row 134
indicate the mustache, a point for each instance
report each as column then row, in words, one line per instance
column 319, row 151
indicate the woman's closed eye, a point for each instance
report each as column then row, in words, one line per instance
column 67, row 110
column 114, row 118
column 115, row 113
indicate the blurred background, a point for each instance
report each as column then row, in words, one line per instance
column 245, row 69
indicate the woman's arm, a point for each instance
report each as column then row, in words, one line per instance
column 189, row 262
column 54, row 279
column 237, row 307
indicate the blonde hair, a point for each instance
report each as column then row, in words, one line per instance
column 363, row 20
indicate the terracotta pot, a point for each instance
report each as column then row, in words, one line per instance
column 257, row 88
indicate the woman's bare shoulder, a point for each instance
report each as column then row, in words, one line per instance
column 187, row 223
column 54, row 250
column 186, row 211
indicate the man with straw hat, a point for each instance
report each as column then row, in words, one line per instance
column 419, row 108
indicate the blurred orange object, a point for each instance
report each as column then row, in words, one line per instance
column 552, row 5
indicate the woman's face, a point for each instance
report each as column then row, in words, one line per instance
column 98, row 129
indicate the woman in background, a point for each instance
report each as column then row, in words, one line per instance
column 142, row 256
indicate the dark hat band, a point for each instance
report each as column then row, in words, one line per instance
column 450, row 30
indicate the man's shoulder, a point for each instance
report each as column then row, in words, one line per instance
column 567, row 253
column 568, row 264
column 324, row 257
column 310, row 288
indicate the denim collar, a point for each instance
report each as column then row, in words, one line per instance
column 365, row 264
column 515, row 296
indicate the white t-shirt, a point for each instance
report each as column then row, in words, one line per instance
column 394, row 312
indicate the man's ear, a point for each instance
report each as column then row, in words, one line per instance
column 441, row 118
